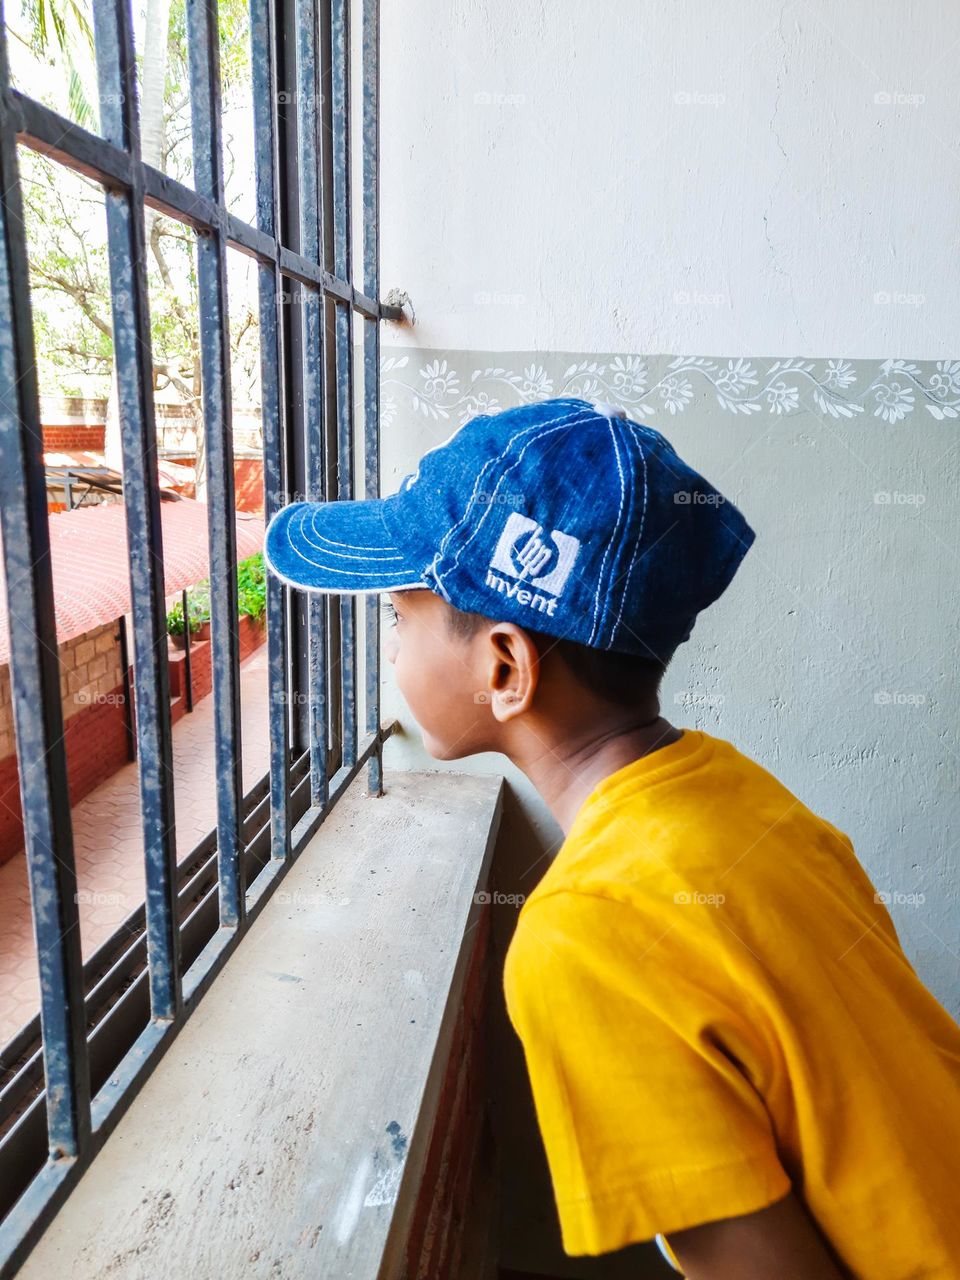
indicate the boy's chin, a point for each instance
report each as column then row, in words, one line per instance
column 441, row 750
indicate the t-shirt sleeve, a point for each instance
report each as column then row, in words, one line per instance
column 649, row 1125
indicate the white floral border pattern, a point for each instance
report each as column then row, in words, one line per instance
column 436, row 385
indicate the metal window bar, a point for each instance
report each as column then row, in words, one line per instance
column 370, row 177
column 104, row 1023
column 307, row 327
column 343, row 329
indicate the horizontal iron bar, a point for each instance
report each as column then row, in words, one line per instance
column 53, row 135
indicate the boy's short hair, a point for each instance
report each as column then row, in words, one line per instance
column 616, row 677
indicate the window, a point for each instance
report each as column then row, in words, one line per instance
column 106, row 1021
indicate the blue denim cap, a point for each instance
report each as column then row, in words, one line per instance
column 562, row 516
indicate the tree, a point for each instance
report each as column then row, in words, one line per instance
column 66, row 231
column 70, row 27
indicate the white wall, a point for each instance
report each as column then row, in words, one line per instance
column 593, row 164
column 577, row 195
column 576, row 209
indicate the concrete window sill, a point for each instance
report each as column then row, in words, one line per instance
column 286, row 1130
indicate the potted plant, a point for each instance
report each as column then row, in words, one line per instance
column 199, row 601
column 176, row 629
column 199, row 623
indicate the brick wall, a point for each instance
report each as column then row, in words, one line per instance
column 96, row 737
column 74, row 436
column 451, row 1229
column 248, row 484
column 251, row 635
column 95, row 725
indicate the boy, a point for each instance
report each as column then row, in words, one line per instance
column 728, row 1049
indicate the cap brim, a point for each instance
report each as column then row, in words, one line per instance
column 337, row 547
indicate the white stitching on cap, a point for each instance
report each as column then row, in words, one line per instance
column 623, row 494
column 399, row 586
column 636, row 545
column 340, row 554
column 333, row 543
column 516, row 462
column 351, row 591
column 319, row 564
column 481, row 475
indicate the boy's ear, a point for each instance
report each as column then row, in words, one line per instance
column 514, row 670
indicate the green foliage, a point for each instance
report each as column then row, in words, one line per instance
column 199, row 598
column 44, row 14
column 252, row 586
column 175, row 624
column 64, row 213
column 70, row 274
column 251, row 597
column 66, row 24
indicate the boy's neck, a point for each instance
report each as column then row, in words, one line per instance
column 565, row 771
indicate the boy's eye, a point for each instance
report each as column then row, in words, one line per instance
column 389, row 613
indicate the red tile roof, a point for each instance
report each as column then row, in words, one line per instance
column 91, row 580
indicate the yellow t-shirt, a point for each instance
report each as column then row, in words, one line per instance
column 714, row 1008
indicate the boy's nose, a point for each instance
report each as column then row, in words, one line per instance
column 390, row 646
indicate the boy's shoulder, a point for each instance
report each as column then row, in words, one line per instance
column 693, row 815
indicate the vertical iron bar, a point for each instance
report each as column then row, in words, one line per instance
column 371, row 352
column 291, row 346
column 187, row 660
column 126, row 239
column 340, row 141
column 204, row 49
column 127, row 688
column 35, row 679
column 334, row 683
column 311, row 312
column 269, row 282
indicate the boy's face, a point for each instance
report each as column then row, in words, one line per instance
column 443, row 677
